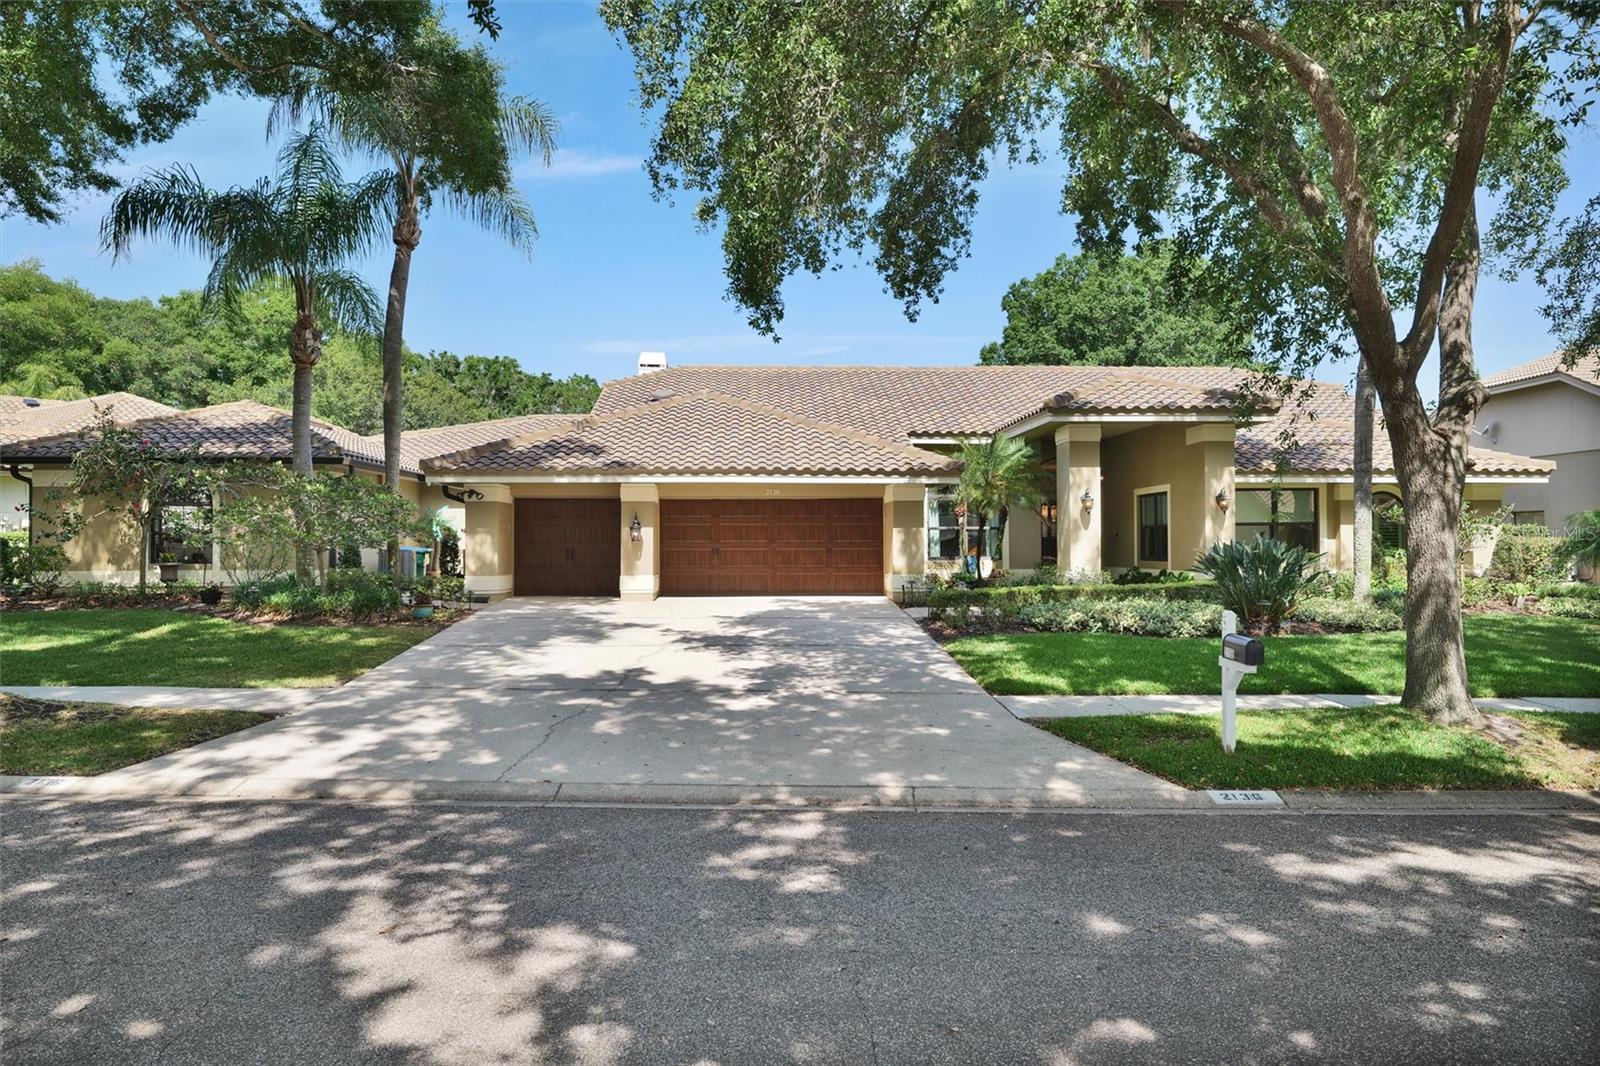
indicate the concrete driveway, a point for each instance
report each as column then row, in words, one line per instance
column 678, row 694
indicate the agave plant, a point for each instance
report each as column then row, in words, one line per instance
column 1261, row 582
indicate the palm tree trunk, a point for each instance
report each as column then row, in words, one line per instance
column 305, row 347
column 407, row 235
column 1363, row 483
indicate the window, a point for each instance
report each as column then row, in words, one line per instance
column 1047, row 533
column 1527, row 518
column 944, row 528
column 1153, row 527
column 182, row 529
column 1388, row 522
column 1289, row 515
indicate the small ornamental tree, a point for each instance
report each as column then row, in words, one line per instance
column 995, row 475
column 125, row 475
column 268, row 506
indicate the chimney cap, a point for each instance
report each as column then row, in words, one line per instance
column 650, row 362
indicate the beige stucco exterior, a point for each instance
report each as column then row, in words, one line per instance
column 1555, row 420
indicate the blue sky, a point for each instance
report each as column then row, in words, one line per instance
column 616, row 271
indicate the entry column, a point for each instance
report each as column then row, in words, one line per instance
column 641, row 549
column 1078, row 504
column 487, row 548
column 1216, row 441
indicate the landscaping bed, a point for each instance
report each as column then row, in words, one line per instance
column 1507, row 655
column 47, row 738
column 191, row 647
column 1350, row 748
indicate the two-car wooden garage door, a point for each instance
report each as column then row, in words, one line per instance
column 764, row 546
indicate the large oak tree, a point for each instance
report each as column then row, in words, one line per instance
column 1332, row 158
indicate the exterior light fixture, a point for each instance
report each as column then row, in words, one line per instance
column 1222, row 500
column 635, row 530
column 1087, row 499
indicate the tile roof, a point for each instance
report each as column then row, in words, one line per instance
column 699, row 432
column 1315, row 433
column 1585, row 370
column 419, row 444
column 900, row 402
column 21, row 421
column 243, row 429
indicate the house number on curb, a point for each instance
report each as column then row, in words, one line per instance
column 1255, row 797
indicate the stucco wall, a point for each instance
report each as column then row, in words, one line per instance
column 1150, row 458
column 1559, row 422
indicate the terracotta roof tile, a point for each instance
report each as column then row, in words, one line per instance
column 21, row 421
column 1585, row 370
column 243, row 429
column 419, row 444
column 699, row 432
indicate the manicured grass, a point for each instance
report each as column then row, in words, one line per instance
column 1363, row 748
column 163, row 647
column 1507, row 655
column 83, row 739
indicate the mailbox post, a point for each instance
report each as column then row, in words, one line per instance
column 1240, row 656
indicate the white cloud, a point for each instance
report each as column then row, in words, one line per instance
column 579, row 163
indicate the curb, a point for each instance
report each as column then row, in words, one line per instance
column 786, row 797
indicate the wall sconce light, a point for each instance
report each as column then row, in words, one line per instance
column 1222, row 500
column 1087, row 499
column 635, row 530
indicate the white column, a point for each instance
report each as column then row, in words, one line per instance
column 641, row 559
column 1078, row 528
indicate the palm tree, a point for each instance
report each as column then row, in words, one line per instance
column 300, row 227
column 997, row 474
column 442, row 120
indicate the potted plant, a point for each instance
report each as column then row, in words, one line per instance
column 169, row 568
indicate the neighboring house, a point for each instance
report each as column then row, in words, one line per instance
column 1541, row 408
column 708, row 480
column 36, row 452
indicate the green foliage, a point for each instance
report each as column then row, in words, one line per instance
column 114, row 594
column 349, row 594
column 1525, row 553
column 1135, row 576
column 1106, row 309
column 36, row 567
column 88, row 80
column 1574, row 590
column 1571, row 607
column 1347, row 615
column 1001, row 604
column 1140, row 616
column 266, row 509
column 1581, row 545
column 446, row 588
column 1567, row 277
column 64, row 342
column 996, row 475
column 1261, row 582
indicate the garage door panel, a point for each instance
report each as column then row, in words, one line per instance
column 567, row 547
column 771, row 546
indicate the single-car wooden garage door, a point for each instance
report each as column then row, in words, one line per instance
column 568, row 547
column 754, row 547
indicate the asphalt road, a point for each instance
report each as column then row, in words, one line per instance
column 320, row 933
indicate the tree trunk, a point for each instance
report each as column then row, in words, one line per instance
column 983, row 544
column 144, row 547
column 1363, row 483
column 407, row 235
column 305, row 347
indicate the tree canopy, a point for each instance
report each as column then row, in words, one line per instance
column 64, row 342
column 1151, row 308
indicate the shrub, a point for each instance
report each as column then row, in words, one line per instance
column 1525, row 553
column 1137, row 616
column 1262, row 582
column 1571, row 607
column 353, row 594
column 1582, row 543
column 111, row 594
column 38, row 566
column 996, row 604
column 1135, row 576
column 1578, row 590
column 444, row 588
column 1348, row 614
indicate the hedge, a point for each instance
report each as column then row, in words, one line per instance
column 1334, row 613
column 1143, row 617
column 1524, row 553
column 1005, row 602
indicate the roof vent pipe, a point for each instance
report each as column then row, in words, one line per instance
column 650, row 362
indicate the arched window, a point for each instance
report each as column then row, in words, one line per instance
column 1388, row 521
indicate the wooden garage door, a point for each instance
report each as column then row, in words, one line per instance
column 568, row 547
column 754, row 547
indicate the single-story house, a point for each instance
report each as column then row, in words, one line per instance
column 1545, row 409
column 728, row 480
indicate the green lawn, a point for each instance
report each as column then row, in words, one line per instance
column 163, row 647
column 82, row 739
column 1507, row 655
column 1364, row 748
